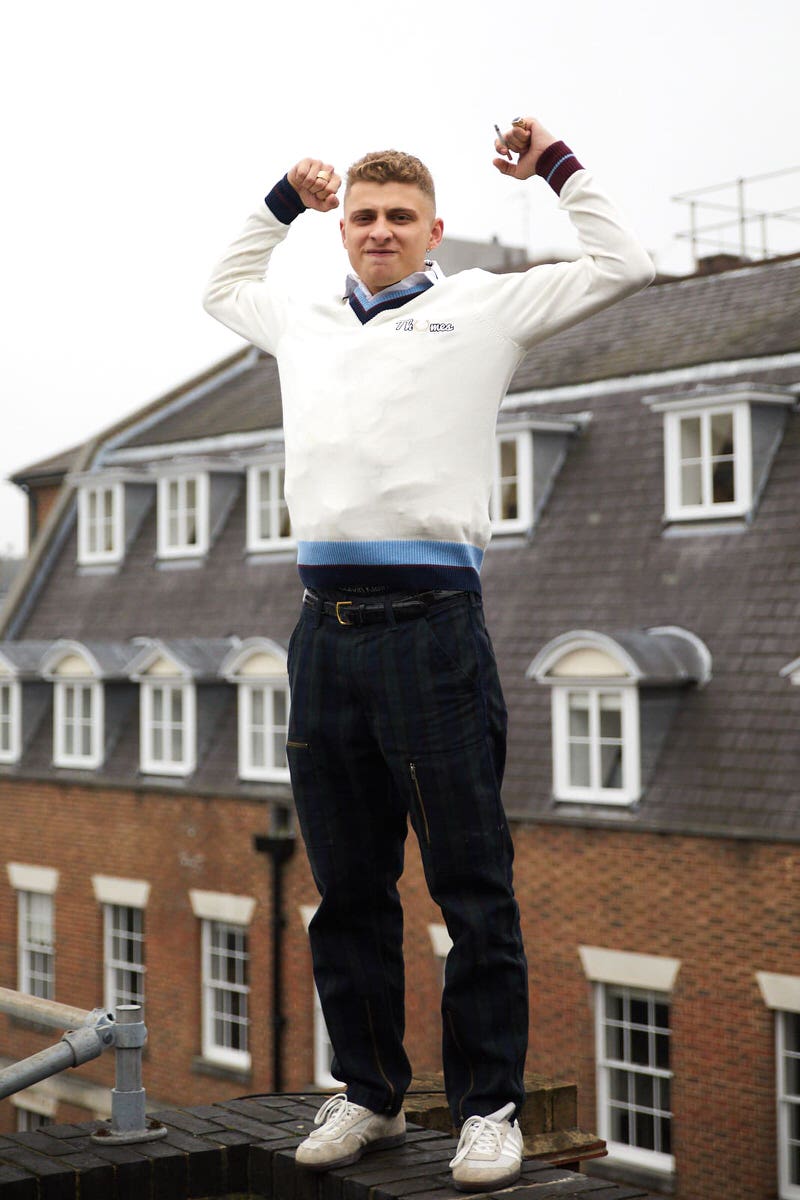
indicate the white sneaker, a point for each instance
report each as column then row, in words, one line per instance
column 489, row 1152
column 345, row 1131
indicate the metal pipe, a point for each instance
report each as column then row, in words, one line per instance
column 280, row 850
column 43, row 1012
column 76, row 1047
column 128, row 1099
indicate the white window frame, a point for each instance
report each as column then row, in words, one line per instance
column 78, row 685
column 621, row 1152
column 181, row 547
column 274, row 540
column 595, row 793
column 523, row 441
column 149, row 763
column 787, row 1103
column 268, row 770
column 742, row 463
column 323, row 1050
column 90, row 529
column 213, row 1051
column 114, row 964
column 11, row 723
column 45, row 984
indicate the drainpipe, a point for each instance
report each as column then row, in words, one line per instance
column 280, row 850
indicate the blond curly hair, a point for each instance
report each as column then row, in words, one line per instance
column 392, row 166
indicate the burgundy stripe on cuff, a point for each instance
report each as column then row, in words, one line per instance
column 283, row 202
column 556, row 164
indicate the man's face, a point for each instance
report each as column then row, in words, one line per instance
column 387, row 230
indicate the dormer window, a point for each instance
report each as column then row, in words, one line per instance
column 78, row 705
column 708, row 459
column 100, row 523
column 167, row 712
column 167, row 725
column 529, row 450
column 610, row 696
column 258, row 668
column 268, row 526
column 511, row 503
column 183, row 515
column 718, row 447
column 112, row 504
column 10, row 720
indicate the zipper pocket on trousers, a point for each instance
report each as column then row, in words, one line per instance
column 297, row 745
column 420, row 803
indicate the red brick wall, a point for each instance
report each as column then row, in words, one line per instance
column 724, row 908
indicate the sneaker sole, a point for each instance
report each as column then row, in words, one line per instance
column 488, row 1185
column 348, row 1159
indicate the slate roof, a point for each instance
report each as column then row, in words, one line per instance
column 599, row 559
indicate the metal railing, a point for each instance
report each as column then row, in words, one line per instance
column 87, row 1035
column 749, row 226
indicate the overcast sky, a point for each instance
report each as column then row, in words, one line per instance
column 139, row 137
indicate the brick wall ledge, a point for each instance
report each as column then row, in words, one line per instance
column 244, row 1149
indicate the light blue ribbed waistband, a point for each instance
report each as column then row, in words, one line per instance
column 391, row 553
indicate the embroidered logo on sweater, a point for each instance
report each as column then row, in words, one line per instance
column 410, row 325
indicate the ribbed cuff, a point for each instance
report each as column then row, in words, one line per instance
column 556, row 164
column 283, row 202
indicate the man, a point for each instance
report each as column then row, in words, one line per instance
column 390, row 396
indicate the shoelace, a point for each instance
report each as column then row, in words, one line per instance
column 334, row 1111
column 481, row 1134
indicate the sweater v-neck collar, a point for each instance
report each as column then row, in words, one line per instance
column 366, row 305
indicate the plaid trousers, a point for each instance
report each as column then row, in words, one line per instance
column 390, row 721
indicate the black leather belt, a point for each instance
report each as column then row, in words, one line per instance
column 375, row 612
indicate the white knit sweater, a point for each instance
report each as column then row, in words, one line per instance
column 389, row 425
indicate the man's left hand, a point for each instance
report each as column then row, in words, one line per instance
column 527, row 137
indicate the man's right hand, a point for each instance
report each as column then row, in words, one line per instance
column 316, row 183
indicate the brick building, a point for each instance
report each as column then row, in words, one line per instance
column 643, row 592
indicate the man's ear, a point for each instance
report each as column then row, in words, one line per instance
column 341, row 230
column 437, row 233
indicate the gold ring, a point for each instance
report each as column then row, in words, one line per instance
column 324, row 175
column 519, row 121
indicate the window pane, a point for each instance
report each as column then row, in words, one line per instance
column 645, row 1131
column 620, row 1127
column 723, row 481
column 579, row 715
column 619, row 1083
column 158, row 703
column 257, row 748
column 257, row 706
column 662, row 1051
column 508, row 458
column 86, row 703
column 615, row 1045
column 579, row 771
column 690, row 438
column 176, row 705
column 638, row 1011
column 639, row 1047
column 177, row 746
column 279, row 706
column 611, row 766
column 509, row 505
column 615, row 1006
column 792, row 1075
column 643, row 1090
column 610, row 716
column 691, row 484
column 721, row 433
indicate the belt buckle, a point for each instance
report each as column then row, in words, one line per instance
column 339, row 605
